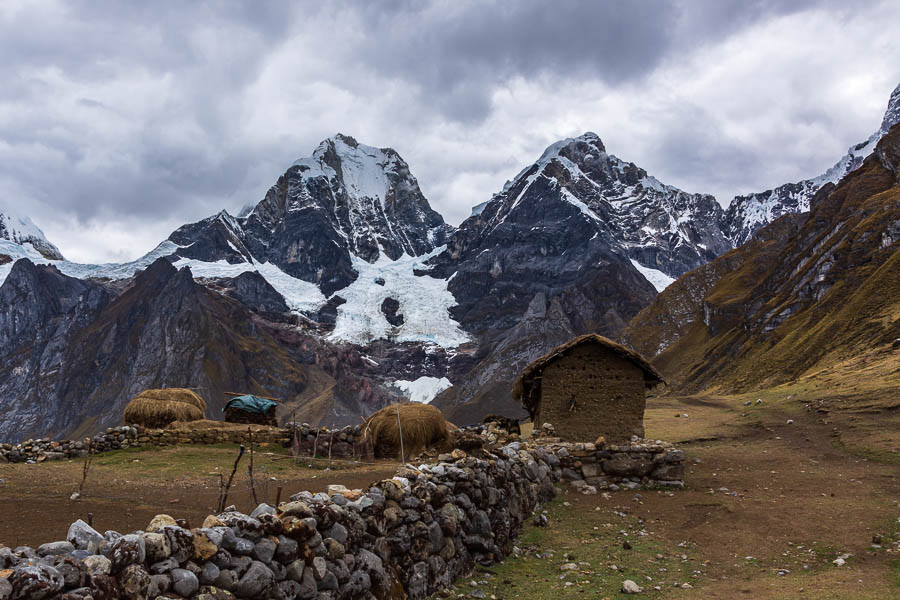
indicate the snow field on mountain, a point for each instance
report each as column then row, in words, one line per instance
column 299, row 295
column 425, row 304
column 423, row 389
column 657, row 278
column 15, row 252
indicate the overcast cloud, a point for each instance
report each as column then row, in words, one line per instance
column 121, row 121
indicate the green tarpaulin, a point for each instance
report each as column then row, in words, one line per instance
column 251, row 404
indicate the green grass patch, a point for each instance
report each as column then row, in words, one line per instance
column 592, row 540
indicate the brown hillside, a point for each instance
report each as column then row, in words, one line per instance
column 807, row 292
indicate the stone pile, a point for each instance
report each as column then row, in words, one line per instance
column 598, row 466
column 415, row 533
column 35, row 451
column 337, row 443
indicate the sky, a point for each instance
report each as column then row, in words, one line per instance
column 121, row 121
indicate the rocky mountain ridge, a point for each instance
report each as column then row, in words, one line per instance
column 807, row 291
column 346, row 280
column 747, row 214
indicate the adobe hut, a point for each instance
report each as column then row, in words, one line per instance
column 157, row 408
column 588, row 387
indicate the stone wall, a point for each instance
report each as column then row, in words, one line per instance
column 639, row 463
column 412, row 534
column 337, row 443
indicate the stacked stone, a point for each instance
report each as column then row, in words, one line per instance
column 641, row 463
column 337, row 443
column 170, row 437
column 35, row 451
column 340, row 443
column 420, row 530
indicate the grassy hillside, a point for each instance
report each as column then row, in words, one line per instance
column 808, row 293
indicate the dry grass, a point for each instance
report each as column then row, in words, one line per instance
column 159, row 413
column 175, row 395
column 159, row 408
column 423, row 426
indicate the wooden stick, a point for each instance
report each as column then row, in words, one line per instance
column 91, row 519
column 250, row 468
column 278, row 497
column 400, row 426
column 223, row 493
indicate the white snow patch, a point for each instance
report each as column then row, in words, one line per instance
column 657, row 278
column 424, row 301
column 423, row 389
column 571, row 199
column 299, row 295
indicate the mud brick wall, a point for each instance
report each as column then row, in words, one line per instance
column 413, row 534
column 592, row 391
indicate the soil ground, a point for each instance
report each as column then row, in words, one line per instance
column 125, row 489
column 768, row 505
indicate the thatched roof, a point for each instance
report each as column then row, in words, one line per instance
column 158, row 408
column 157, row 414
column 175, row 395
column 526, row 380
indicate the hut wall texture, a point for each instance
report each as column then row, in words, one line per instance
column 592, row 391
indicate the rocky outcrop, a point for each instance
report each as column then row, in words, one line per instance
column 346, row 200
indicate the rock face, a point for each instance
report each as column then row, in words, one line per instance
column 804, row 288
column 74, row 350
column 747, row 214
column 347, row 199
column 556, row 254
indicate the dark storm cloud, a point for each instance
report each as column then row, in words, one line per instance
column 140, row 116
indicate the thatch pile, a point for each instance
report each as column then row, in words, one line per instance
column 157, row 408
column 236, row 415
column 423, row 427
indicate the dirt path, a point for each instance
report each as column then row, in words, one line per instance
column 770, row 496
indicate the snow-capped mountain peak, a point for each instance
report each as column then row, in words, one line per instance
column 747, row 214
column 21, row 230
column 659, row 226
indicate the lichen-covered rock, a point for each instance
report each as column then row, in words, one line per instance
column 134, row 582
column 35, row 582
column 204, row 547
column 97, row 565
column 157, row 547
column 160, row 521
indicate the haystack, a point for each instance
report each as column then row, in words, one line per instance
column 423, row 427
column 157, row 408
